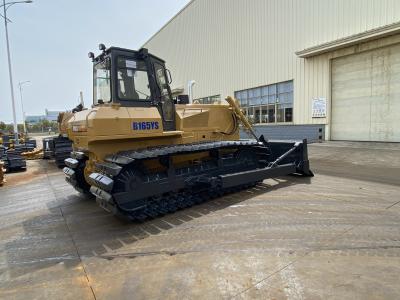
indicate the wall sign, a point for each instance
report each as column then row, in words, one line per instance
column 319, row 107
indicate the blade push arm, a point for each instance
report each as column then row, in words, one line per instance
column 239, row 114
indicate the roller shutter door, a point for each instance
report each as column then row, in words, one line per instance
column 366, row 96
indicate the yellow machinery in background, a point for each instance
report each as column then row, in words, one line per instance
column 141, row 154
column 35, row 154
column 62, row 121
column 8, row 139
column 2, row 171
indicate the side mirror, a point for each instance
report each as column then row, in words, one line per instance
column 169, row 77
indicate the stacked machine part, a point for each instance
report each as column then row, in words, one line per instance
column 62, row 150
column 58, row 148
column 12, row 158
column 30, row 150
column 9, row 140
column 31, row 143
column 48, row 148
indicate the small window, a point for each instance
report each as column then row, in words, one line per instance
column 208, row 100
column 102, row 82
column 264, row 91
column 272, row 89
column 280, row 113
column 289, row 114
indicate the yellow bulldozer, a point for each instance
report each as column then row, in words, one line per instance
column 142, row 154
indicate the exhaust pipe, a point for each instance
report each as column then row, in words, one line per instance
column 190, row 90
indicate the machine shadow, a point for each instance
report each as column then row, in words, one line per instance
column 77, row 228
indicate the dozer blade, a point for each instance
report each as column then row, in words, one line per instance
column 289, row 152
column 286, row 157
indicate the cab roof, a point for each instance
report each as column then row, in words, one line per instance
column 100, row 57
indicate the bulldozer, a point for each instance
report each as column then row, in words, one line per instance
column 141, row 154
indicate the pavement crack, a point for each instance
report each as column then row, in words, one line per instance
column 137, row 254
column 390, row 206
column 265, row 278
column 71, row 236
column 386, row 247
column 327, row 242
column 77, row 253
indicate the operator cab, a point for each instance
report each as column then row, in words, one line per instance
column 133, row 79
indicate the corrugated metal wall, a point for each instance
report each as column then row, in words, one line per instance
column 229, row 45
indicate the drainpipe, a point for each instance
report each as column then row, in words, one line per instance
column 190, row 90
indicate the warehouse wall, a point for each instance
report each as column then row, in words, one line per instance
column 313, row 133
column 229, row 45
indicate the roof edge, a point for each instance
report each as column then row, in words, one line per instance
column 165, row 25
column 350, row 40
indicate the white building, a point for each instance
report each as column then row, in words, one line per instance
column 322, row 69
column 50, row 115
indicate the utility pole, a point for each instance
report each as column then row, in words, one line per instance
column 5, row 7
column 20, row 84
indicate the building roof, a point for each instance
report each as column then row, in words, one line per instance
column 166, row 24
column 351, row 40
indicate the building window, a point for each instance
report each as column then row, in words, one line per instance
column 208, row 100
column 268, row 104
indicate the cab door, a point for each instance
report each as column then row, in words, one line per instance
column 166, row 105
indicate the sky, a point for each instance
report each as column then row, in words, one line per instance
column 50, row 39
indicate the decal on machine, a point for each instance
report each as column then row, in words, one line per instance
column 153, row 125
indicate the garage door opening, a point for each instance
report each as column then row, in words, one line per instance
column 366, row 96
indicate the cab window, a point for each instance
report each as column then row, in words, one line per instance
column 133, row 81
column 101, row 82
column 166, row 100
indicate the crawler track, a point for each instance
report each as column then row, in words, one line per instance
column 62, row 150
column 124, row 184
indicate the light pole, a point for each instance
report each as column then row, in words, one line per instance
column 5, row 7
column 20, row 84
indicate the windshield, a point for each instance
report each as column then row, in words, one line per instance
column 102, row 83
column 133, row 82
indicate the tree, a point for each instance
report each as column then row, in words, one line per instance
column 42, row 126
column 6, row 127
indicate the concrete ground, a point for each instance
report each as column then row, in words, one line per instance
column 334, row 236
